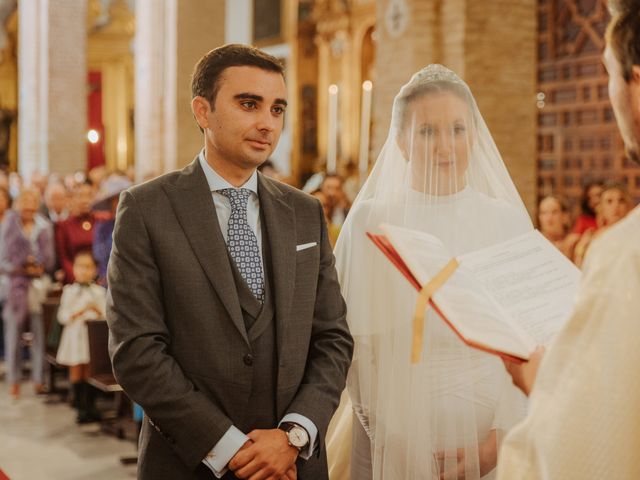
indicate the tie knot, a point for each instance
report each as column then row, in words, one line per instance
column 237, row 196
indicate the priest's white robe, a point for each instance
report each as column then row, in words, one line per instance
column 584, row 412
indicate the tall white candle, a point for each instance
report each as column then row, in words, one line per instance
column 365, row 121
column 332, row 130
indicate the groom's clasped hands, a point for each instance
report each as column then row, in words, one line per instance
column 266, row 455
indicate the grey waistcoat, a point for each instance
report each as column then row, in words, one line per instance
column 261, row 329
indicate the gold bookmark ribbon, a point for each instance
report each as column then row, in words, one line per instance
column 421, row 305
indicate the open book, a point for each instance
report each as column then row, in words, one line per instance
column 504, row 299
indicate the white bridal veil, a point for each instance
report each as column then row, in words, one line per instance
column 439, row 172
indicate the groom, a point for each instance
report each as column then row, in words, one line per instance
column 226, row 320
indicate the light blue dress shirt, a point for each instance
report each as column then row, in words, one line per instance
column 233, row 439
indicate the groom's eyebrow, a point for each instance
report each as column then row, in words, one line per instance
column 248, row 96
column 258, row 98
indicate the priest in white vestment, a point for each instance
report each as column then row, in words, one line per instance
column 584, row 412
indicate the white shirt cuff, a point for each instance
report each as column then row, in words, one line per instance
column 223, row 451
column 309, row 426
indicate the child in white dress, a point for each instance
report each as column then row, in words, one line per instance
column 81, row 301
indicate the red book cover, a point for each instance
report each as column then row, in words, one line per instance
column 385, row 247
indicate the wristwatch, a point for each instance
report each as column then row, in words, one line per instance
column 297, row 435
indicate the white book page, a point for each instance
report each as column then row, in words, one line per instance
column 532, row 280
column 463, row 300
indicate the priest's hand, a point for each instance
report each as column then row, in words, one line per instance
column 488, row 459
column 524, row 374
column 269, row 457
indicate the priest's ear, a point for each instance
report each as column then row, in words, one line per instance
column 201, row 109
column 634, row 84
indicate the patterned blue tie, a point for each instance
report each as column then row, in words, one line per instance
column 242, row 242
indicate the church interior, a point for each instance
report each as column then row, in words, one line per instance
column 102, row 87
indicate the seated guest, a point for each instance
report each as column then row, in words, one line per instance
column 38, row 181
column 97, row 175
column 27, row 252
column 615, row 203
column 81, row 301
column 56, row 209
column 334, row 230
column 590, row 199
column 55, row 201
column 553, row 222
column 331, row 187
column 76, row 232
column 105, row 208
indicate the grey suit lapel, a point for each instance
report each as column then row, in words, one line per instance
column 281, row 230
column 196, row 213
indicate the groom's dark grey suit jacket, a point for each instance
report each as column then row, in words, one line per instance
column 179, row 338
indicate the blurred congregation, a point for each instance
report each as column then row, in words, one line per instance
column 76, row 134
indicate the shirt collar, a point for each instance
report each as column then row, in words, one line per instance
column 216, row 182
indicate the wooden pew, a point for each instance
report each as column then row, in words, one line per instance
column 53, row 332
column 119, row 423
column 100, row 371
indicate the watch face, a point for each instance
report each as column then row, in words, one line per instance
column 298, row 437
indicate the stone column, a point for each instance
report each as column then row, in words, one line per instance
column 154, row 129
column 491, row 45
column 52, row 73
column 500, row 67
column 171, row 36
column 407, row 35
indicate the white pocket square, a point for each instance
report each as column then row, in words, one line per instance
column 304, row 246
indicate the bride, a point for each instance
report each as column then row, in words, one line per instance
column 439, row 172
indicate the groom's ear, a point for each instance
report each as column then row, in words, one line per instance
column 200, row 107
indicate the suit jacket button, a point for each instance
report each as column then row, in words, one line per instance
column 248, row 359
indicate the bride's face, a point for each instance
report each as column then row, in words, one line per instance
column 436, row 141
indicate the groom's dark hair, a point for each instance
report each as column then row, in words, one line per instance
column 205, row 81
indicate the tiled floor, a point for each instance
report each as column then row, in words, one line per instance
column 40, row 441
